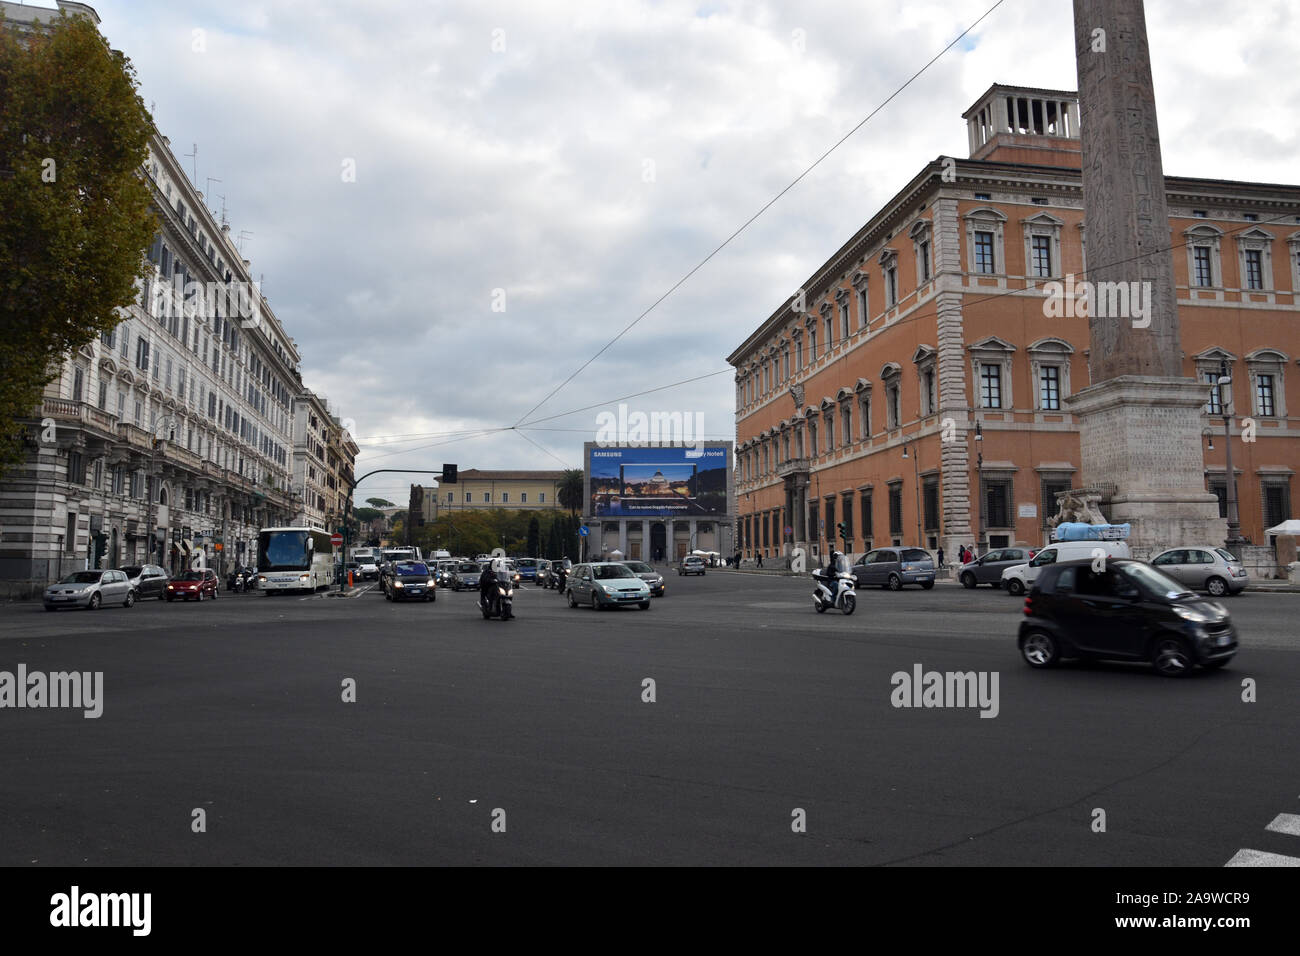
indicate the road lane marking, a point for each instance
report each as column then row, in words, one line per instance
column 1288, row 823
column 1261, row 858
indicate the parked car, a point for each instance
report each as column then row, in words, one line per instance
column 1204, row 569
column 988, row 568
column 1019, row 578
column 691, row 564
column 411, row 581
column 90, row 589
column 147, row 580
column 650, row 576
column 605, row 584
column 894, row 568
column 467, row 575
column 1127, row 611
column 193, row 584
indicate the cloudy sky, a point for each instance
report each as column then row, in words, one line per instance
column 584, row 156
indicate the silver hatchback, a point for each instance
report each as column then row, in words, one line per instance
column 90, row 589
column 1204, row 568
column 988, row 568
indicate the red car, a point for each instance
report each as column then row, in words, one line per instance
column 193, row 584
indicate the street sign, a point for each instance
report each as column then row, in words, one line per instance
column 789, row 530
column 583, row 531
column 336, row 539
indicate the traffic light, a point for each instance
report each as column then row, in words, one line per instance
column 101, row 547
column 449, row 474
column 843, row 529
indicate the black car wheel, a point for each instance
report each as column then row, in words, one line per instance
column 572, row 601
column 95, row 601
column 645, row 605
column 895, row 583
column 927, row 585
column 200, row 595
column 1039, row 649
column 1172, row 657
column 130, row 599
column 968, row 581
column 1016, row 587
column 1216, row 586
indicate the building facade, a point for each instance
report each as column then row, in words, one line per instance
column 324, row 458
column 478, row 490
column 170, row 439
column 916, row 390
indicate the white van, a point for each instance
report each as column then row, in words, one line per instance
column 1019, row 578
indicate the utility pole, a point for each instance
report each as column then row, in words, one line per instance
column 979, row 487
column 1234, row 540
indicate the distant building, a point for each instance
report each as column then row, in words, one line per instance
column 497, row 491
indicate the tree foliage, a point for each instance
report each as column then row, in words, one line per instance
column 570, row 492
column 76, row 220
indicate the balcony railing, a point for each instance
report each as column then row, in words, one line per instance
column 81, row 412
column 794, row 466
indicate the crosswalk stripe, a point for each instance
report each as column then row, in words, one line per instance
column 1261, row 858
column 1288, row 823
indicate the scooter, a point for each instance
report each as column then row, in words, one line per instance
column 834, row 589
column 500, row 599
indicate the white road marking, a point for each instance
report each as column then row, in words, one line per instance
column 1288, row 823
column 1261, row 858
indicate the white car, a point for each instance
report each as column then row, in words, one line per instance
column 1019, row 578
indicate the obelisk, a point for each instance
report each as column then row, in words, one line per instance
column 1140, row 427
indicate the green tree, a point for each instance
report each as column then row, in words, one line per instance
column 570, row 493
column 534, row 537
column 367, row 515
column 380, row 503
column 76, row 220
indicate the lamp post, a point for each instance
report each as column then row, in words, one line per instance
column 979, row 488
column 916, row 471
column 1234, row 540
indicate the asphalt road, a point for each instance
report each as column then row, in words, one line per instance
column 762, row 708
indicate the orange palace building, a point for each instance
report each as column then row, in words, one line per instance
column 917, row 389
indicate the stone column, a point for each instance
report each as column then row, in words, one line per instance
column 645, row 541
column 622, row 536
column 1140, row 423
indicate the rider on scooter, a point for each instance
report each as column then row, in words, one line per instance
column 487, row 580
column 831, row 573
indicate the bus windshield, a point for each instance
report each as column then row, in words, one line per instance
column 283, row 551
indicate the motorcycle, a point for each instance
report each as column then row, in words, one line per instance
column 835, row 588
column 242, row 579
column 500, row 599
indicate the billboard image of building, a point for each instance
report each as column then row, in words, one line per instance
column 657, row 482
column 659, row 503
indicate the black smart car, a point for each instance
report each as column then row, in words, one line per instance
column 1127, row 611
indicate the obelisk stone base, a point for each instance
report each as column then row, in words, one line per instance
column 1142, row 437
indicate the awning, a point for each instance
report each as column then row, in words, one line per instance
column 186, row 547
column 1290, row 526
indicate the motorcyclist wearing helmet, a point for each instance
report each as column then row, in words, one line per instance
column 831, row 573
column 488, row 578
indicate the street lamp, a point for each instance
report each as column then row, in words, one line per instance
column 916, row 471
column 1234, row 540
column 979, row 488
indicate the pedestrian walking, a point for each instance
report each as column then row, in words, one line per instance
column 760, row 559
column 941, row 559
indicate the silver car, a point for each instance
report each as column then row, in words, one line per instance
column 894, row 567
column 1204, row 569
column 466, row 576
column 649, row 575
column 90, row 589
column 988, row 568
column 606, row 584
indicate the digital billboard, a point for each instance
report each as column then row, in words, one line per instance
column 657, row 482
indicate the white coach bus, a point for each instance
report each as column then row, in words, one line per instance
column 294, row 559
